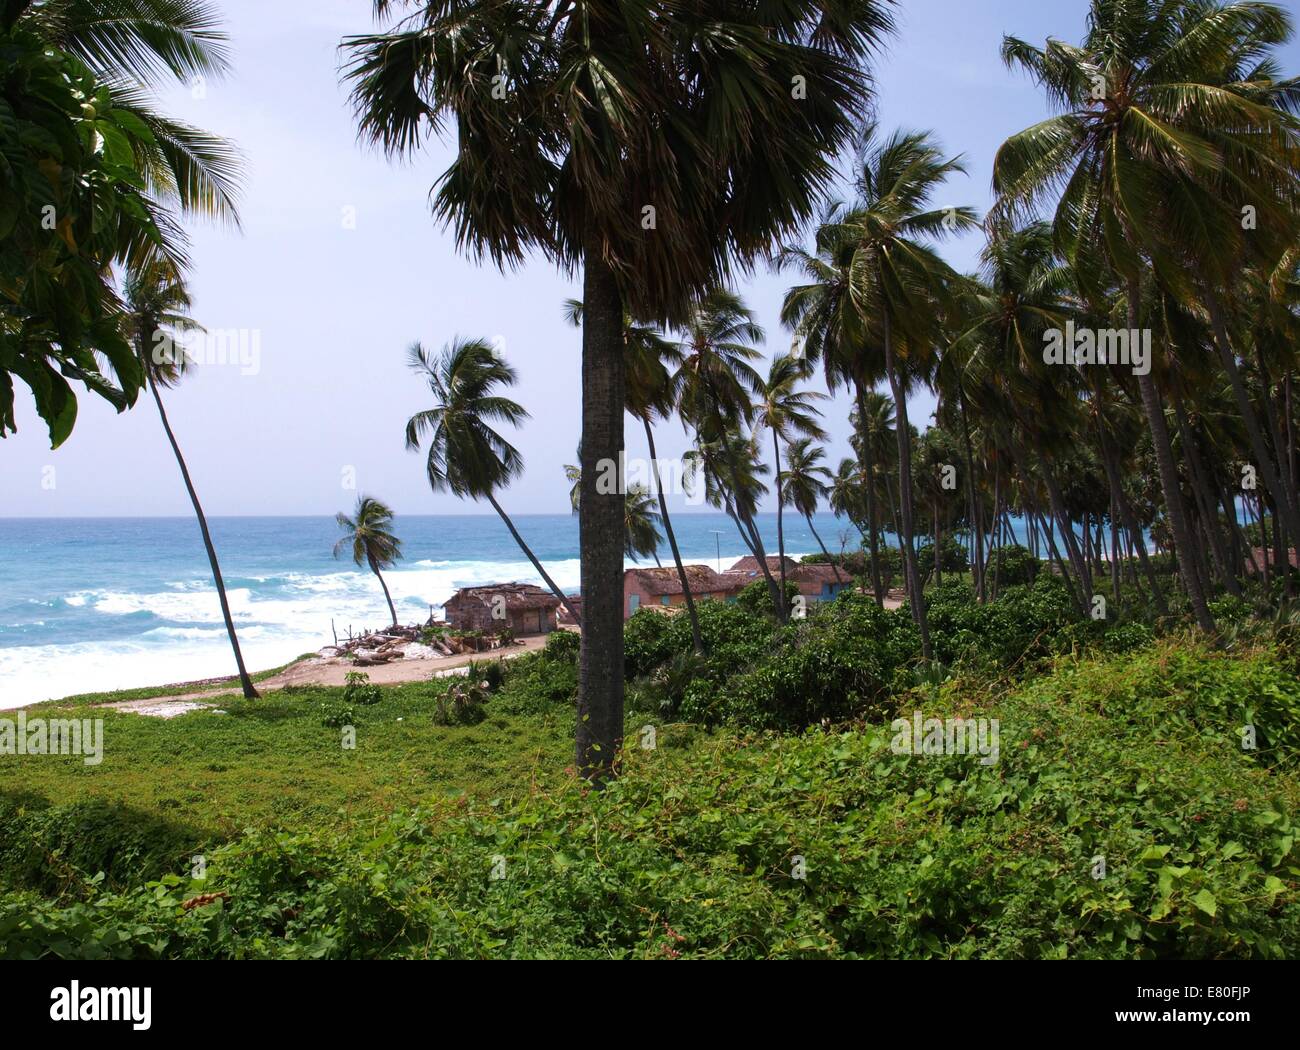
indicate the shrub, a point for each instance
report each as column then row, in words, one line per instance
column 463, row 703
column 1018, row 566
column 358, row 690
column 756, row 598
column 952, row 557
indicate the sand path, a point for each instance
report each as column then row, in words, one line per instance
column 321, row 671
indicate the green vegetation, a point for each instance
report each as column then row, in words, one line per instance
column 821, row 844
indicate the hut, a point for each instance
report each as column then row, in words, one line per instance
column 662, row 588
column 524, row 608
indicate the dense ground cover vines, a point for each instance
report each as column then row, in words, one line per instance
column 825, row 843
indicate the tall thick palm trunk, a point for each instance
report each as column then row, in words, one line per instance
column 1173, row 493
column 904, row 434
column 600, row 521
column 867, row 462
column 696, row 637
column 245, row 682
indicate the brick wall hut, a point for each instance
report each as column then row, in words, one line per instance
column 525, row 608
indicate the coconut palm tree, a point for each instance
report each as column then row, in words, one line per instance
column 787, row 412
column 641, row 519
column 135, row 47
column 715, row 387
column 899, row 287
column 654, row 145
column 1170, row 124
column 369, row 533
column 803, row 484
column 641, row 524
column 157, row 313
column 465, row 455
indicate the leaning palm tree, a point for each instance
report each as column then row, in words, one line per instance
column 900, row 287
column 369, row 533
column 157, row 312
column 714, row 388
column 652, row 145
column 803, row 484
column 465, row 455
column 787, row 412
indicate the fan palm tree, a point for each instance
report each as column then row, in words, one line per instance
column 157, row 311
column 655, row 146
column 803, row 484
column 465, row 455
column 787, row 412
column 1170, row 124
column 369, row 533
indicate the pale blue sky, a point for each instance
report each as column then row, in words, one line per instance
column 337, row 307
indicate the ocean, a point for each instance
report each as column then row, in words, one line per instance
column 94, row 604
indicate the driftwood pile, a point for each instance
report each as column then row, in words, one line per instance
column 381, row 647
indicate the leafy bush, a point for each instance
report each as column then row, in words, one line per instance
column 1016, row 565
column 952, row 557
column 358, row 690
column 842, row 663
column 463, row 703
column 1134, row 759
column 756, row 598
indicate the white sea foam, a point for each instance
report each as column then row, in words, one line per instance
column 278, row 617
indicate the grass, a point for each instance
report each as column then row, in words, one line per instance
column 201, row 778
column 755, row 845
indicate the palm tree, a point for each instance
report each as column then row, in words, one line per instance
column 134, row 46
column 899, row 287
column 641, row 524
column 714, row 389
column 787, row 411
column 1170, row 124
column 465, row 455
column 803, row 484
column 651, row 360
column 615, row 139
column 157, row 309
column 369, row 532
column 641, row 520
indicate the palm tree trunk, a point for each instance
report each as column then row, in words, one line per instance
column 245, row 682
column 867, row 462
column 1155, row 414
column 904, row 434
column 696, row 637
column 1130, row 520
column 976, row 526
column 817, row 537
column 1274, row 480
column 600, row 520
column 780, row 514
column 387, row 597
column 546, row 577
